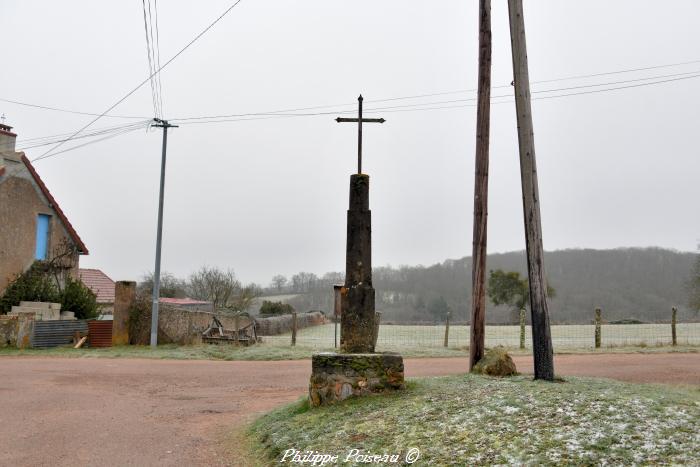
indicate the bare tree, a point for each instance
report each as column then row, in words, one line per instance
column 278, row 282
column 170, row 286
column 214, row 285
column 222, row 289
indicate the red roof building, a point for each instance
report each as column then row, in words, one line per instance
column 100, row 284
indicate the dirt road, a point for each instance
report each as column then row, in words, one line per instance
column 61, row 411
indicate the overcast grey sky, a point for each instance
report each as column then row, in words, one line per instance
column 268, row 196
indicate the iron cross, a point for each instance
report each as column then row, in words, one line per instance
column 359, row 121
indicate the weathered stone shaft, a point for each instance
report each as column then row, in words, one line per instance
column 358, row 258
column 357, row 300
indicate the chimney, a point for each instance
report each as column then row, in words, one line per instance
column 7, row 138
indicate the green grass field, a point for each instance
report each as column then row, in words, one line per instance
column 476, row 420
column 564, row 337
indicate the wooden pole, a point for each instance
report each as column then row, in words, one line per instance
column 674, row 311
column 481, row 181
column 541, row 334
column 522, row 328
column 377, row 322
column 294, row 328
column 447, row 330
column 598, row 319
column 236, row 327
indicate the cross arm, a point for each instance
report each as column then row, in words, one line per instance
column 369, row 120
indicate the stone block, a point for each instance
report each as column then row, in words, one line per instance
column 67, row 315
column 336, row 376
column 496, row 362
column 41, row 305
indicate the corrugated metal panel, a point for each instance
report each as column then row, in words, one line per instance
column 100, row 333
column 56, row 333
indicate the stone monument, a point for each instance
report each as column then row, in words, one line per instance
column 358, row 370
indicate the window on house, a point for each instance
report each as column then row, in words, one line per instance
column 42, row 235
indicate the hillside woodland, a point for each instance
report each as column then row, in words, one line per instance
column 627, row 283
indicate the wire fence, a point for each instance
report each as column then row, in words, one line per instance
column 396, row 337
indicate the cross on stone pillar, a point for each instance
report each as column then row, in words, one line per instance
column 359, row 121
column 357, row 320
column 357, row 370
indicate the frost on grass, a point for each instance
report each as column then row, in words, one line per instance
column 472, row 419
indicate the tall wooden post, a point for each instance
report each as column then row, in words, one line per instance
column 674, row 341
column 522, row 328
column 447, row 330
column 294, row 328
column 541, row 335
column 598, row 333
column 481, row 181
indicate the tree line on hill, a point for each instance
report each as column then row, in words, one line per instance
column 626, row 283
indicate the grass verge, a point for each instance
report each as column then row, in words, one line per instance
column 476, row 420
column 275, row 352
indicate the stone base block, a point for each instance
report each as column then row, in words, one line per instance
column 336, row 376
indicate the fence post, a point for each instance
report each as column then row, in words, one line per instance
column 447, row 330
column 236, row 327
column 377, row 320
column 294, row 328
column 597, row 327
column 674, row 342
column 337, row 290
column 522, row 328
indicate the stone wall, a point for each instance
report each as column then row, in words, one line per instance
column 179, row 325
column 16, row 331
column 275, row 325
column 184, row 326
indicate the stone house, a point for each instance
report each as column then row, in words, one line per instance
column 32, row 224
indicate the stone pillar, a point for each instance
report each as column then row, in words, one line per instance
column 357, row 300
column 124, row 296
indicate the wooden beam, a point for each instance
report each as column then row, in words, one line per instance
column 481, row 182
column 541, row 334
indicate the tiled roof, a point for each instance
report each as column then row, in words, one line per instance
column 99, row 283
column 82, row 249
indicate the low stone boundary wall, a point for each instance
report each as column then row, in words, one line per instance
column 16, row 331
column 179, row 325
column 275, row 325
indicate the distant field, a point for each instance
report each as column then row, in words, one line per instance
column 398, row 337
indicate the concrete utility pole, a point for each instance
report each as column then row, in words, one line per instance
column 541, row 334
column 481, row 187
column 159, row 236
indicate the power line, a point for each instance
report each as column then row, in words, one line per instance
column 119, row 133
column 128, row 94
column 110, row 133
column 157, row 49
column 103, row 131
column 416, row 96
column 59, row 135
column 44, row 107
column 420, row 106
column 151, row 68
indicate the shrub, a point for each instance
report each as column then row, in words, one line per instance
column 275, row 308
column 78, row 298
column 33, row 285
column 140, row 320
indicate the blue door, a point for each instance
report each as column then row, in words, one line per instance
column 42, row 235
